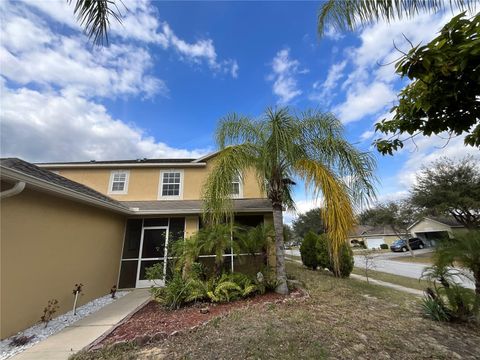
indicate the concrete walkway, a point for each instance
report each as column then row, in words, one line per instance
column 83, row 332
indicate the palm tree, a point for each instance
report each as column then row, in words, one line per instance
column 351, row 14
column 94, row 16
column 463, row 250
column 278, row 147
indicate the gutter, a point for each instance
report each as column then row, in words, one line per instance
column 15, row 190
column 136, row 211
column 19, row 176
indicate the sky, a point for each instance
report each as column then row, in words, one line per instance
column 171, row 70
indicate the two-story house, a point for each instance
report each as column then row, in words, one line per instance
column 100, row 223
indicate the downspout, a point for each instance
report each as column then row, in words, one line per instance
column 15, row 190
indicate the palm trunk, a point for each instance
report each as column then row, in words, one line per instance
column 282, row 287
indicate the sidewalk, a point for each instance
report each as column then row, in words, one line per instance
column 83, row 332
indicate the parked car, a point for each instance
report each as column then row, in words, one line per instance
column 401, row 245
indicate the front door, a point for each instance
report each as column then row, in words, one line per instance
column 153, row 249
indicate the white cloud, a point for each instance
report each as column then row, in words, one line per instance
column 365, row 100
column 284, row 76
column 63, row 127
column 366, row 135
column 333, row 34
column 324, row 92
column 371, row 87
column 52, row 83
column 141, row 22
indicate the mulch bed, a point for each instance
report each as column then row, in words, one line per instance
column 154, row 322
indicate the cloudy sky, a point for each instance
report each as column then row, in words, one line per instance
column 171, row 70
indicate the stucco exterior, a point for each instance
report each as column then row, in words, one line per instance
column 143, row 183
column 47, row 245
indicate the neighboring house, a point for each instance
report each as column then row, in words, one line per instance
column 373, row 236
column 431, row 229
column 100, row 223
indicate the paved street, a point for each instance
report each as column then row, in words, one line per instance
column 383, row 263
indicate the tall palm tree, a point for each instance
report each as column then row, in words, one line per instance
column 278, row 147
column 351, row 14
column 94, row 16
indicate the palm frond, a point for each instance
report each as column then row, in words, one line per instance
column 337, row 211
column 94, row 16
column 350, row 14
column 217, row 199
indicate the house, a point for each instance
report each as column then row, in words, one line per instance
column 100, row 223
column 373, row 236
column 431, row 229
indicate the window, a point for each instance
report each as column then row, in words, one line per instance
column 118, row 182
column 237, row 186
column 171, row 184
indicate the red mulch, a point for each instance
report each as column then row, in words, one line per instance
column 153, row 321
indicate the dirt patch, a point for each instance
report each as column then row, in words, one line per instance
column 155, row 322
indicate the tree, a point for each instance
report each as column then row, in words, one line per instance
column 308, row 250
column 309, row 221
column 352, row 14
column 445, row 81
column 443, row 95
column 94, row 16
column 465, row 251
column 399, row 215
column 450, row 188
column 279, row 146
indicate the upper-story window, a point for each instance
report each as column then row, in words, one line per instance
column 171, row 184
column 237, row 188
column 118, row 182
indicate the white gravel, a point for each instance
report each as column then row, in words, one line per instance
column 54, row 326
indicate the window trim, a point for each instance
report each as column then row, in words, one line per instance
column 240, row 188
column 110, row 183
column 160, row 186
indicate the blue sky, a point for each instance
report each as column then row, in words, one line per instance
column 174, row 68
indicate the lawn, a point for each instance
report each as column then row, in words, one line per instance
column 394, row 279
column 426, row 258
column 342, row 319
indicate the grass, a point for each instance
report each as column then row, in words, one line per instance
column 342, row 319
column 425, row 258
column 394, row 279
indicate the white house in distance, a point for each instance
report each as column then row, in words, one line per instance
column 429, row 229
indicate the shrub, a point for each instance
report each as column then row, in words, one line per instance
column 446, row 300
column 384, row 246
column 308, row 250
column 323, row 254
column 346, row 261
column 179, row 291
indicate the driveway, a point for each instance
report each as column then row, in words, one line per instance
column 383, row 263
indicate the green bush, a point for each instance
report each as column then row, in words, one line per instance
column 446, row 300
column 308, row 250
column 346, row 261
column 323, row 254
column 384, row 246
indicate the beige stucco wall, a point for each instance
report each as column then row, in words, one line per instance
column 387, row 239
column 47, row 245
column 144, row 183
column 427, row 225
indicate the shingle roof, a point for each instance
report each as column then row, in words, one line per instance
column 130, row 161
column 52, row 178
column 367, row 230
column 195, row 206
column 450, row 221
